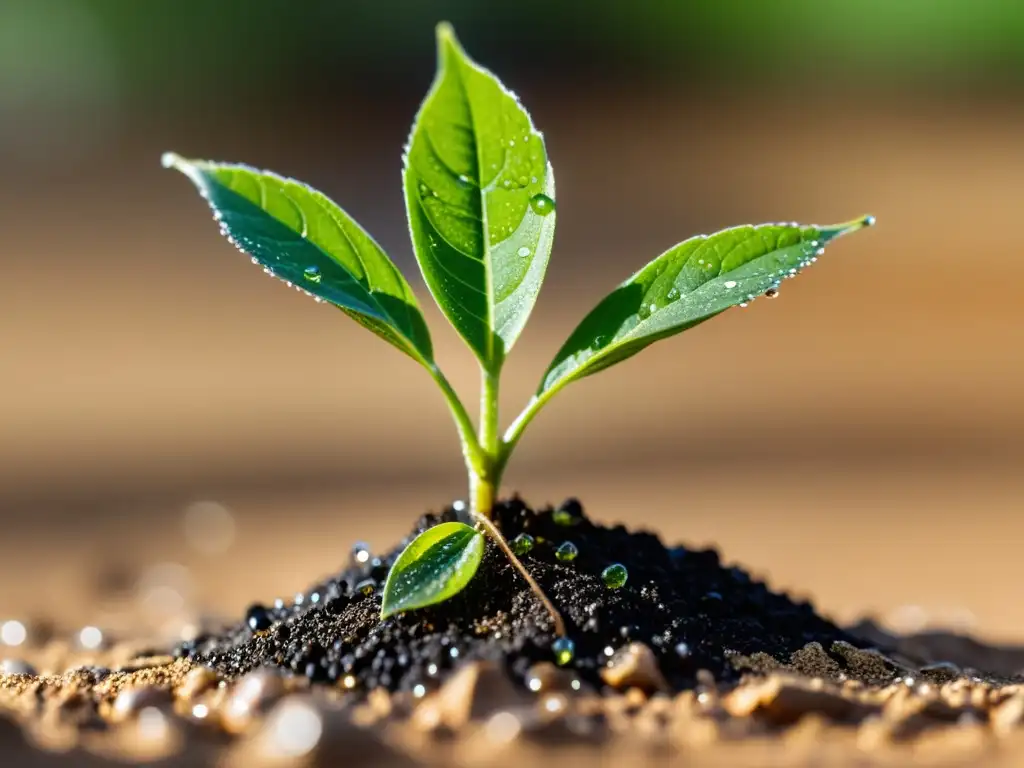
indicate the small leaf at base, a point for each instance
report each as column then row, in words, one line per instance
column 437, row 565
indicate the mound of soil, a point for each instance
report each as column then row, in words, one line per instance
column 702, row 620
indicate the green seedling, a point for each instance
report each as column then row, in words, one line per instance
column 480, row 197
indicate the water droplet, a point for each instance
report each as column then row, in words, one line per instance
column 673, row 294
column 463, row 180
column 599, row 341
column 771, row 293
column 869, row 221
column 511, row 142
column 792, row 271
column 682, row 650
column 360, row 553
column 257, row 618
column 820, row 252
column 564, row 650
column 523, row 181
column 743, row 305
column 564, row 517
column 730, row 283
column 566, row 552
column 542, row 205
column 524, row 252
column 615, row 576
column 533, row 179
column 312, row 274
column 522, row 544
column 506, row 183
column 644, row 312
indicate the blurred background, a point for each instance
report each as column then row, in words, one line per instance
column 179, row 430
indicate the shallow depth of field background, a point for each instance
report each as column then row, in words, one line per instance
column 178, row 429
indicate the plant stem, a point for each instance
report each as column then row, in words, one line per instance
column 483, row 482
column 484, row 479
column 492, row 530
column 475, row 459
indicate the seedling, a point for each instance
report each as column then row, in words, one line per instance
column 480, row 197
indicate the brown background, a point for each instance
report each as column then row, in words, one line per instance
column 860, row 439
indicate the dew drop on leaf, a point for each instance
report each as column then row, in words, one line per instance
column 524, row 251
column 599, row 341
column 730, row 283
column 312, row 274
column 541, row 204
column 673, row 294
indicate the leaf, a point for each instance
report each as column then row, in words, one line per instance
column 436, row 565
column 687, row 285
column 298, row 235
column 479, row 192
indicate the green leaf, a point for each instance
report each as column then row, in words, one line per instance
column 480, row 197
column 687, row 285
column 436, row 565
column 298, row 235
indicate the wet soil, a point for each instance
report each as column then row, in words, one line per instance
column 704, row 621
column 689, row 657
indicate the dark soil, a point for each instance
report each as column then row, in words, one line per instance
column 702, row 619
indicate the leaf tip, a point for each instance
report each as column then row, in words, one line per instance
column 866, row 220
column 171, row 160
column 447, row 42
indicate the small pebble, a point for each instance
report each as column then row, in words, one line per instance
column 16, row 667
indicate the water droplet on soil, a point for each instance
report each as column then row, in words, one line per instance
column 360, row 553
column 566, row 552
column 564, row 517
column 615, row 576
column 522, row 544
column 564, row 650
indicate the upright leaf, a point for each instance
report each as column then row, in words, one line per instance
column 298, row 235
column 480, row 197
column 686, row 285
column 438, row 564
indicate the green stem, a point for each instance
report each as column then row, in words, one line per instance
column 474, row 455
column 483, row 480
column 515, row 430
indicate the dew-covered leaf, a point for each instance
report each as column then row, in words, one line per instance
column 298, row 235
column 436, row 565
column 480, row 197
column 689, row 283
